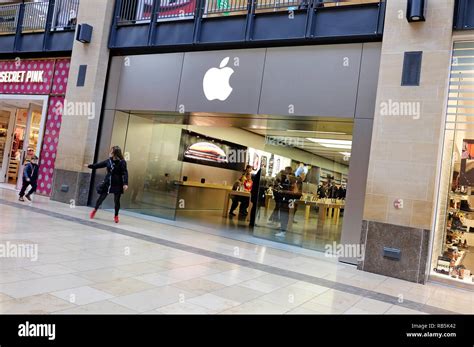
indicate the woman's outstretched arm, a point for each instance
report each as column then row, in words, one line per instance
column 99, row 165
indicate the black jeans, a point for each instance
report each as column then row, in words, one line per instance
column 25, row 186
column 102, row 197
column 244, row 204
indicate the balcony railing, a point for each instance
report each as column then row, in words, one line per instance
column 8, row 18
column 35, row 16
column 225, row 7
column 141, row 11
column 65, row 15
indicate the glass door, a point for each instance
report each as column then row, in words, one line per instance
column 29, row 132
column 7, row 118
column 150, row 144
column 301, row 172
column 17, row 143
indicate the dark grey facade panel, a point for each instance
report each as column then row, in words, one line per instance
column 356, row 189
column 311, row 81
column 411, row 72
column 203, row 71
column 327, row 81
column 81, row 76
column 113, row 82
column 150, row 82
column 368, row 80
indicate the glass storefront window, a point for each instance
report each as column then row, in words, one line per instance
column 278, row 179
column 453, row 244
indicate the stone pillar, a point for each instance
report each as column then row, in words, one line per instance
column 82, row 110
column 407, row 144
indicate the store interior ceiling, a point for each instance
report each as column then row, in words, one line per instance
column 18, row 103
column 330, row 138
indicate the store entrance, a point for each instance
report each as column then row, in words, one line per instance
column 278, row 178
column 21, row 123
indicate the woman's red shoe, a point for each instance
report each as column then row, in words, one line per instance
column 116, row 219
column 92, row 214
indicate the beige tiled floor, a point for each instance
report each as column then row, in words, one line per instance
column 82, row 269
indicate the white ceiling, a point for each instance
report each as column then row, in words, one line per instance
column 18, row 103
column 300, row 139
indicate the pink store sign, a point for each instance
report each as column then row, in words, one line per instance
column 46, row 77
column 39, row 76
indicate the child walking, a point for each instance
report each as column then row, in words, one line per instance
column 30, row 178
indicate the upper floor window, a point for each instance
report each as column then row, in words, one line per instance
column 35, row 14
column 140, row 11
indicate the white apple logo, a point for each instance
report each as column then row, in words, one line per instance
column 216, row 82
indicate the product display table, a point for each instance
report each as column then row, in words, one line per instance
column 308, row 205
column 331, row 209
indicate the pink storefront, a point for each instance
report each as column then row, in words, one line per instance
column 32, row 95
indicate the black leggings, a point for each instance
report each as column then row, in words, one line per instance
column 102, row 197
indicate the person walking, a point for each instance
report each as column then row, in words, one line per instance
column 30, row 177
column 115, row 181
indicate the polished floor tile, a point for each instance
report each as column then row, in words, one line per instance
column 237, row 293
column 256, row 306
column 184, row 308
column 199, row 285
column 213, row 302
column 99, row 307
column 122, row 286
column 36, row 304
column 153, row 298
column 26, row 288
column 106, row 271
column 82, row 295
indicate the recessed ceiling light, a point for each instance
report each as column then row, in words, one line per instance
column 336, row 146
column 330, row 141
column 318, row 132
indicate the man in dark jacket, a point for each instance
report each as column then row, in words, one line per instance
column 30, row 177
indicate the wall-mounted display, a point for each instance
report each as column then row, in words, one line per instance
column 466, row 177
column 204, row 150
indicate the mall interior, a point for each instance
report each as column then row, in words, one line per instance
column 241, row 124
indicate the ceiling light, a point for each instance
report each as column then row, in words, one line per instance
column 336, row 146
column 330, row 141
column 318, row 132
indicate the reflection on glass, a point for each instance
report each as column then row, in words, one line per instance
column 302, row 189
column 151, row 151
column 453, row 255
column 284, row 185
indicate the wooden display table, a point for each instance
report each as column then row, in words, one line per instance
column 333, row 209
column 308, row 205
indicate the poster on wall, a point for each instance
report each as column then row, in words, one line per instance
column 466, row 176
column 204, row 150
column 279, row 163
column 177, row 8
column 258, row 160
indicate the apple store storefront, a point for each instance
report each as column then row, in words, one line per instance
column 268, row 142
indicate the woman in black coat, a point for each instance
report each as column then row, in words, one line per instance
column 115, row 181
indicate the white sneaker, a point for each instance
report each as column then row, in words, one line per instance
column 281, row 234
